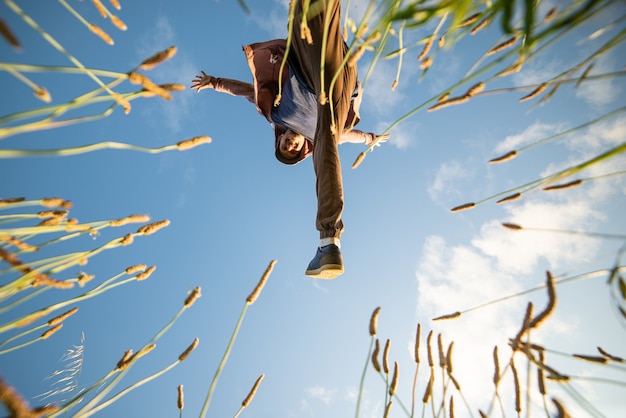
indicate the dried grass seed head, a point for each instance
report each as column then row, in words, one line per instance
column 386, row 357
column 158, row 58
column 60, row 318
column 259, row 287
column 189, row 349
column 97, row 30
column 374, row 321
column 252, row 392
column 153, row 227
column 180, row 403
column 193, row 295
column 193, row 142
column 48, row 333
column 375, row 362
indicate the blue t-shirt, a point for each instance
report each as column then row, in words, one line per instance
column 297, row 109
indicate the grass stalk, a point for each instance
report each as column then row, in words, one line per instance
column 362, row 382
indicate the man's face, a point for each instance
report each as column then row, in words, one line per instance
column 290, row 144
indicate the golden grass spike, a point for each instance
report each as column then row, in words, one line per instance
column 536, row 92
column 144, row 351
column 449, row 357
column 479, row 26
column 359, row 160
column 118, row 23
column 121, row 365
column 496, row 366
column 116, row 4
column 429, row 349
column 48, row 333
column 180, row 402
column 193, row 142
column 541, row 380
column 149, row 85
column 375, row 362
column 374, row 321
column 135, row 268
column 8, row 35
column 561, row 412
column 515, row 342
column 506, row 157
column 510, row 198
column 42, row 94
column 388, row 409
column 158, row 58
column 62, row 317
column 518, row 395
column 442, row 356
column 451, row 407
column 512, row 69
column 252, row 392
column 394, row 379
column 593, row 359
column 609, row 356
column 153, row 227
column 562, row 186
column 84, row 278
column 551, row 302
column 259, row 287
column 464, row 206
column 426, row 63
column 429, row 387
column 475, row 89
column 469, row 20
column 11, row 200
column 145, row 274
column 44, row 280
column 100, row 7
column 129, row 219
column 193, row 295
column 442, row 42
column 127, row 240
column 502, row 46
column 189, row 349
column 386, row 357
column 101, row 33
column 514, row 227
column 448, row 316
column 551, row 13
column 418, row 337
column 426, row 48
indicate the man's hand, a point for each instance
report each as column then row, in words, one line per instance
column 378, row 139
column 203, row 82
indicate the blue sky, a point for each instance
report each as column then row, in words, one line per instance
column 233, row 208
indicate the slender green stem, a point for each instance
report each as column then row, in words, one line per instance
column 37, row 68
column 367, row 360
column 127, row 390
column 62, row 152
column 56, row 45
column 233, row 337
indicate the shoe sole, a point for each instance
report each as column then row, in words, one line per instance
column 326, row 272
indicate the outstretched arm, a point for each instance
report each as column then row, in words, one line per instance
column 223, row 85
column 359, row 137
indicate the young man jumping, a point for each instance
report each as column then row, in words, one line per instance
column 308, row 113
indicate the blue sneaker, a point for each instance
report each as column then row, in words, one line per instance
column 327, row 263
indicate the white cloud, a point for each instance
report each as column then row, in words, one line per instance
column 531, row 134
column 600, row 92
column 446, row 180
column 321, row 393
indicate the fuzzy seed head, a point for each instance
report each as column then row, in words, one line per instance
column 118, row 23
column 129, row 219
column 252, row 392
column 101, row 33
column 191, row 298
column 127, row 240
column 153, row 227
column 193, row 142
column 502, row 46
column 189, row 349
column 145, row 274
column 259, row 287
column 128, row 354
column 135, row 268
column 48, row 333
column 181, row 398
column 386, row 357
column 62, row 317
column 394, row 379
column 100, row 7
column 510, row 198
column 158, row 58
column 426, row 49
column 42, row 94
column 506, row 157
column 449, row 316
column 375, row 362
column 374, row 322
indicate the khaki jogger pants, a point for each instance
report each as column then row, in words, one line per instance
column 308, row 58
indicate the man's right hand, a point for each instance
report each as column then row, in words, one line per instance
column 203, row 82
